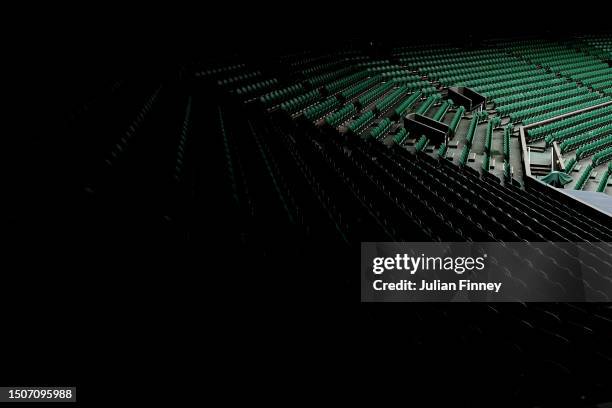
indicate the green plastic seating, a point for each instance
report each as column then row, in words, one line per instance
column 549, row 115
column 403, row 107
column 360, row 87
column 400, row 136
column 469, row 136
column 345, row 82
column 596, row 117
column 569, row 166
column 428, row 103
column 442, row 150
column 584, row 177
column 489, row 135
column 464, row 155
column 390, row 99
column 604, row 179
column 320, row 109
column 322, row 79
column 238, row 78
column 442, row 110
column 422, row 143
column 551, row 107
column 486, row 162
column 381, row 129
column 361, row 122
column 300, row 102
column 603, row 156
column 585, row 138
column 372, row 94
column 591, row 148
column 249, row 89
column 456, row 119
column 336, row 118
column 507, row 171
column 507, row 134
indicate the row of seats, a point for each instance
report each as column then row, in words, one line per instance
column 603, row 156
column 247, row 90
column 464, row 65
column 486, row 161
column 402, row 73
column 549, row 128
column 463, row 158
column 446, row 57
column 337, row 118
column 429, row 102
column 598, row 46
column 220, row 70
column 345, row 82
column 381, row 129
column 491, row 75
column 426, row 87
column 607, row 90
column 550, row 109
column 579, row 129
column 389, row 69
column 604, row 179
column 569, row 166
column 318, row 69
column 277, row 95
column 384, row 64
column 442, row 150
column 322, row 79
column 360, row 123
column 300, row 102
column 317, row 111
column 374, row 93
column 537, row 101
column 421, row 143
column 580, row 69
column 584, row 176
column 493, row 123
column 391, row 99
column 563, row 60
column 507, row 134
column 483, row 69
column 551, row 114
column 238, row 78
column 456, row 119
column 593, row 147
column 584, row 139
column 446, row 105
column 407, row 104
column 360, row 87
column 593, row 76
column 556, row 86
column 507, row 170
column 469, row 136
column 401, row 136
column 538, row 80
column 424, row 108
column 600, row 83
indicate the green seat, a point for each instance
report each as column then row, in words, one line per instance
column 422, row 143
column 584, row 177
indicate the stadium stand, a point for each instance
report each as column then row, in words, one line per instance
column 315, row 152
